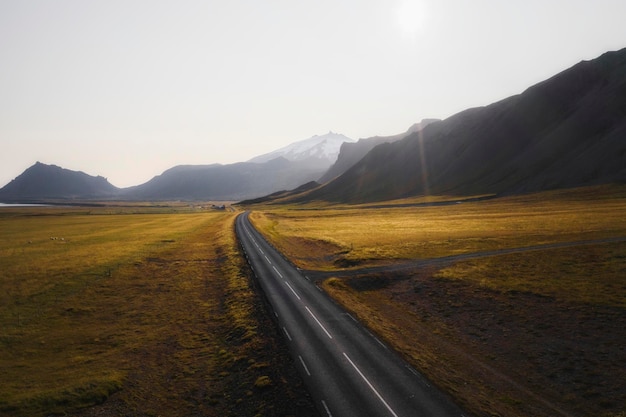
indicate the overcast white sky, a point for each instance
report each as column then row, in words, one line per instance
column 126, row 89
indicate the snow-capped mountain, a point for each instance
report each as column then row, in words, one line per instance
column 325, row 148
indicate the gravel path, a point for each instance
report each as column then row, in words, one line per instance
column 418, row 263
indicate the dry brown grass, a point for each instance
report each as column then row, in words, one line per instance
column 151, row 311
column 323, row 238
column 592, row 274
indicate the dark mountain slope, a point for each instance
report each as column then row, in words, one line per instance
column 567, row 131
column 42, row 181
column 352, row 152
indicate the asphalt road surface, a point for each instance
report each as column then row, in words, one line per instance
column 348, row 371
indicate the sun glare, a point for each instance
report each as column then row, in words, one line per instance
column 411, row 16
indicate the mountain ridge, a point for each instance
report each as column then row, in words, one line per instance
column 351, row 152
column 238, row 181
column 42, row 181
column 566, row 131
column 324, row 148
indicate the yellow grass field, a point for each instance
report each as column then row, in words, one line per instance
column 531, row 333
column 323, row 238
column 136, row 311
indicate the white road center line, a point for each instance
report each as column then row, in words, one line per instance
column 326, row 408
column 268, row 260
column 279, row 274
column 318, row 322
column 379, row 342
column 292, row 290
column 304, row 366
column 370, row 385
column 287, row 333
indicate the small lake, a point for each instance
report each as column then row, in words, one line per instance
column 22, row 205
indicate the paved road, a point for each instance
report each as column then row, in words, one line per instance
column 348, row 371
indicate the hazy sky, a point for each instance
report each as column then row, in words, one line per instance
column 126, row 89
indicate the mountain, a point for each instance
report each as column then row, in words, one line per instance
column 283, row 194
column 282, row 169
column 286, row 168
column 323, row 149
column 42, row 181
column 567, row 131
column 238, row 181
column 352, row 152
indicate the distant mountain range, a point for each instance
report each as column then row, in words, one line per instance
column 226, row 182
column 567, row 131
column 286, row 168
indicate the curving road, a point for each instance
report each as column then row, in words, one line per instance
column 348, row 371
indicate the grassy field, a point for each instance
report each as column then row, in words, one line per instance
column 139, row 311
column 532, row 333
column 340, row 237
